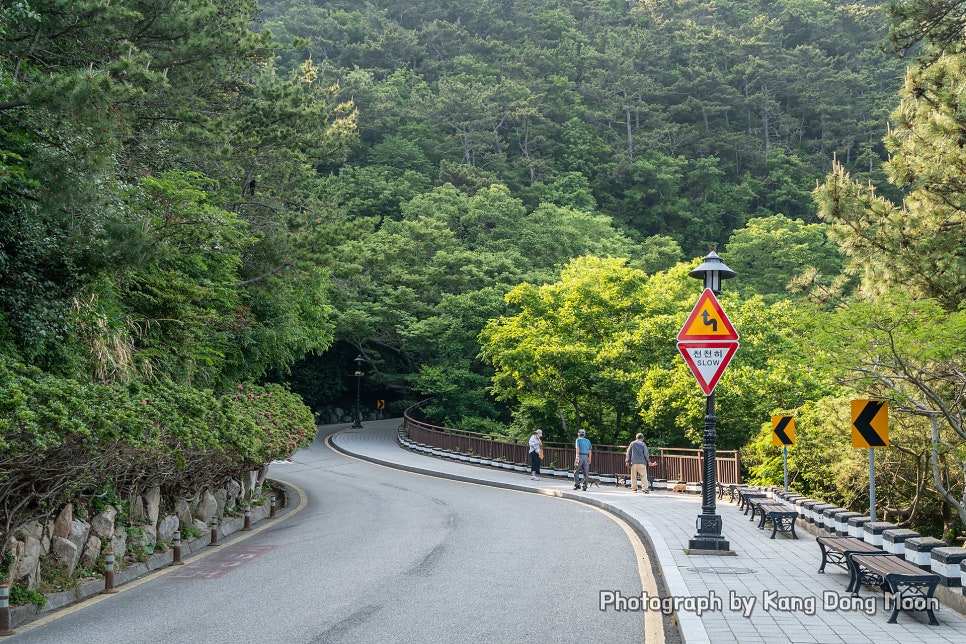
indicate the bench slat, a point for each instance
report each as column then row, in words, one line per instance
column 912, row 587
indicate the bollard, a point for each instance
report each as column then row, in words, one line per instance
column 176, row 549
column 271, row 513
column 214, row 532
column 108, row 574
column 5, row 610
column 248, row 520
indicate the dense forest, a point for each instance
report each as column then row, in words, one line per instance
column 535, row 132
column 210, row 208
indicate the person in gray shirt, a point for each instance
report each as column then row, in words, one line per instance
column 637, row 458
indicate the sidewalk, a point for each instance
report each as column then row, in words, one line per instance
column 769, row 592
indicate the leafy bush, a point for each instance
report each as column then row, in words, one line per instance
column 101, row 433
column 20, row 595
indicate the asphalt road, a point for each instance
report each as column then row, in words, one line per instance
column 382, row 555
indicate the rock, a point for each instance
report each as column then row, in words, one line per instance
column 193, row 503
column 206, row 507
column 233, row 489
column 119, row 542
column 33, row 529
column 102, row 524
column 26, row 562
column 62, row 522
column 248, row 484
column 221, row 496
column 183, row 511
column 92, row 550
column 137, row 509
column 262, row 475
column 79, row 531
column 152, row 504
column 66, row 552
column 166, row 528
column 147, row 539
column 202, row 527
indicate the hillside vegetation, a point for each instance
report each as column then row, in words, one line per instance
column 209, row 208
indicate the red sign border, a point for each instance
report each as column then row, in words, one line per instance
column 708, row 387
column 708, row 294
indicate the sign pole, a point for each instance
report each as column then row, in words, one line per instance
column 707, row 342
column 708, row 526
column 870, row 429
column 872, row 483
column 785, row 464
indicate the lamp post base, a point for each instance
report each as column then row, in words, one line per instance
column 700, row 545
column 708, row 540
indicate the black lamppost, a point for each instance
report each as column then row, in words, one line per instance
column 357, row 424
column 708, row 536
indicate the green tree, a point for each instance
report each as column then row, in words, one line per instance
column 909, row 352
column 770, row 253
column 563, row 358
column 917, row 244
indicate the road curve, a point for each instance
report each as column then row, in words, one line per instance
column 383, row 555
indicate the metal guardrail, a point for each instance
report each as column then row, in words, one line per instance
column 673, row 464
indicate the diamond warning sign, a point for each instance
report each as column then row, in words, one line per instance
column 707, row 321
column 707, row 361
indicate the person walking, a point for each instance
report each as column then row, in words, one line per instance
column 637, row 458
column 585, row 452
column 536, row 454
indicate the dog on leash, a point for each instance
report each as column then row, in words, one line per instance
column 593, row 480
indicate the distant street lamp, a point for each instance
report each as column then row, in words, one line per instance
column 357, row 424
column 709, row 536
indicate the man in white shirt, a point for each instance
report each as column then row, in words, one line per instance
column 536, row 453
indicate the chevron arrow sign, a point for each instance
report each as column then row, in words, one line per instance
column 870, row 423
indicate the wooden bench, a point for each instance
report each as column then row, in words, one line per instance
column 747, row 498
column 781, row 518
column 730, row 488
column 754, row 502
column 837, row 550
column 738, row 494
column 911, row 587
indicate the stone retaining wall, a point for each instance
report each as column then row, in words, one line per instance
column 77, row 540
column 25, row 613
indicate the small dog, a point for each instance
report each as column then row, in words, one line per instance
column 594, row 480
column 680, row 487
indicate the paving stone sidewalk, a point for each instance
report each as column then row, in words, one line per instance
column 769, row 592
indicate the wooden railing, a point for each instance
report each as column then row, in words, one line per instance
column 673, row 464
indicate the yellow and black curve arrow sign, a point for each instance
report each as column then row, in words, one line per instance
column 870, row 423
column 783, row 430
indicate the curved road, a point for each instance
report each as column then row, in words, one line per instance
column 382, row 555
